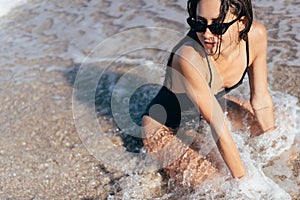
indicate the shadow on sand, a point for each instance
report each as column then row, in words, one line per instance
column 105, row 83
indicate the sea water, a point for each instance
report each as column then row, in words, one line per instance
column 266, row 157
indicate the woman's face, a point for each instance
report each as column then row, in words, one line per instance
column 209, row 11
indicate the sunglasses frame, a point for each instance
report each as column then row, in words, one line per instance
column 215, row 28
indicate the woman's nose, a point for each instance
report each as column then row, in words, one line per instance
column 207, row 33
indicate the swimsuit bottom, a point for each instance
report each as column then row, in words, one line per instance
column 171, row 109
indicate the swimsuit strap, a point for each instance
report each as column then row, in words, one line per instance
column 194, row 36
column 210, row 72
column 247, row 52
column 226, row 90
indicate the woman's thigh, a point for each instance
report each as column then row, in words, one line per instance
column 181, row 162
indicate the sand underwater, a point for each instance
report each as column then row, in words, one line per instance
column 51, row 63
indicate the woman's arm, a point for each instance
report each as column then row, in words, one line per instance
column 261, row 100
column 189, row 63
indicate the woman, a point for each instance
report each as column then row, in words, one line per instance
column 223, row 44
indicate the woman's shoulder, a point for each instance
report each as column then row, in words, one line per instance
column 190, row 50
column 258, row 33
column 258, row 30
column 257, row 40
column 189, row 54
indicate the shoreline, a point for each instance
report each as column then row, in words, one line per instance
column 41, row 153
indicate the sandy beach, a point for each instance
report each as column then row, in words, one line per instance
column 43, row 45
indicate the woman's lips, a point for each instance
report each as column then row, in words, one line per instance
column 209, row 45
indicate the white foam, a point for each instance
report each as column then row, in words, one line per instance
column 8, row 5
column 257, row 152
column 256, row 185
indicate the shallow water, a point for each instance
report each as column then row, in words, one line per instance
column 48, row 43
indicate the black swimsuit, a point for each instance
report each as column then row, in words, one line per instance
column 176, row 104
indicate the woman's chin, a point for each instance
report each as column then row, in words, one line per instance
column 210, row 51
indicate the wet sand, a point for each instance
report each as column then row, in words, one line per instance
column 41, row 154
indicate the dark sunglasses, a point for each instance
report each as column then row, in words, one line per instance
column 216, row 28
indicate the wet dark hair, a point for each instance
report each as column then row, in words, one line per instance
column 239, row 8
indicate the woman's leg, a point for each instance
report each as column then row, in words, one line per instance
column 180, row 161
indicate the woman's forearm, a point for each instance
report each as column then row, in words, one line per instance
column 223, row 138
column 265, row 117
column 263, row 111
column 230, row 153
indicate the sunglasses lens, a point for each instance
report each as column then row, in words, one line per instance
column 218, row 29
column 197, row 26
column 200, row 27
